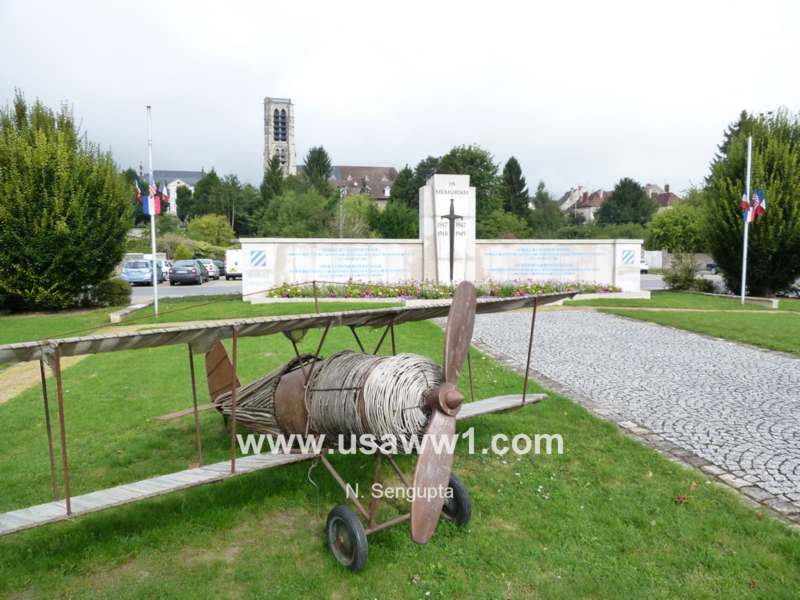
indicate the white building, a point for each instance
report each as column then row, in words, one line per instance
column 175, row 179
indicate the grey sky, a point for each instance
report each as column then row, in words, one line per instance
column 579, row 92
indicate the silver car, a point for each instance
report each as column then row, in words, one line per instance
column 213, row 270
column 138, row 272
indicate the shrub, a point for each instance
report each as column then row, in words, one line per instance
column 212, row 229
column 182, row 253
column 64, row 209
column 111, row 292
column 681, row 273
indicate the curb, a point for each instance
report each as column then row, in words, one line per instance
column 116, row 317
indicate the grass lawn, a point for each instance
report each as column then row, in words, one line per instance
column 599, row 521
column 792, row 304
column 776, row 331
column 231, row 307
column 669, row 300
column 34, row 326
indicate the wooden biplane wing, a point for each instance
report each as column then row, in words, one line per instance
column 202, row 337
column 50, row 512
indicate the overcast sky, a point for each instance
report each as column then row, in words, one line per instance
column 580, row 92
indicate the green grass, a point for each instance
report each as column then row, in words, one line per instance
column 789, row 304
column 231, row 307
column 669, row 300
column 599, row 521
column 36, row 326
column 773, row 330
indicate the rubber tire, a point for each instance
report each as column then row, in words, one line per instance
column 354, row 529
column 459, row 508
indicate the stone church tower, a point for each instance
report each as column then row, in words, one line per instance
column 279, row 133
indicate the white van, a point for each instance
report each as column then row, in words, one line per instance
column 233, row 264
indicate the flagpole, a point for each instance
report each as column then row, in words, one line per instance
column 152, row 203
column 747, row 214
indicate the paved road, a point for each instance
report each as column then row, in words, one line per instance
column 734, row 405
column 144, row 293
column 652, row 282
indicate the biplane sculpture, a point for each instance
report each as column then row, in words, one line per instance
column 350, row 392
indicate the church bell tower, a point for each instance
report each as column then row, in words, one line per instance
column 279, row 133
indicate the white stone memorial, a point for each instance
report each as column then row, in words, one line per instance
column 446, row 251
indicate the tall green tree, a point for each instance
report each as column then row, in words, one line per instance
column 741, row 125
column 272, row 183
column 64, row 209
column 318, row 169
column 297, row 214
column 184, row 202
column 396, row 221
column 403, row 189
column 424, row 169
column 482, row 170
column 628, row 203
column 546, row 217
column 514, row 189
column 204, row 190
column 774, row 238
column 357, row 210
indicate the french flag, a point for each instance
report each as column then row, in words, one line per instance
column 152, row 204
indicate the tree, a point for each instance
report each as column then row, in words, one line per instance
column 546, row 217
column 743, row 125
column 272, row 184
column 184, row 202
column 131, row 178
column 479, row 165
column 424, row 170
column 514, row 189
column 204, row 190
column 356, row 216
column 167, row 224
column 404, row 190
column 318, row 169
column 774, row 243
column 628, row 203
column 500, row 224
column 297, row 214
column 677, row 229
column 64, row 209
column 396, row 221
column 210, row 228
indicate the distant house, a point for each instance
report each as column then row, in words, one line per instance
column 571, row 198
column 589, row 204
column 175, row 179
column 666, row 199
column 375, row 182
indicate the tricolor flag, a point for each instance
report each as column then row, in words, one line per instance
column 755, row 207
column 152, row 206
column 164, row 195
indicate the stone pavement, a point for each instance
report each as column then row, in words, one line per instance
column 732, row 410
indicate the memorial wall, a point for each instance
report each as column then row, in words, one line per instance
column 446, row 252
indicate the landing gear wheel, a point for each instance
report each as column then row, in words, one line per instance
column 346, row 537
column 458, row 508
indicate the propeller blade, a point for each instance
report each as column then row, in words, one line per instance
column 458, row 333
column 431, row 477
column 219, row 371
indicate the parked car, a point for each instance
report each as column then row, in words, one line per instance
column 188, row 271
column 233, row 264
column 213, row 271
column 138, row 272
column 643, row 267
column 221, row 268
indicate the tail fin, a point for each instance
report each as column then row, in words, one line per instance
column 219, row 371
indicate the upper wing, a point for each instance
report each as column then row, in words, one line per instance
column 203, row 336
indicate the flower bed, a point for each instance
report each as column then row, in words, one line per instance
column 429, row 291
